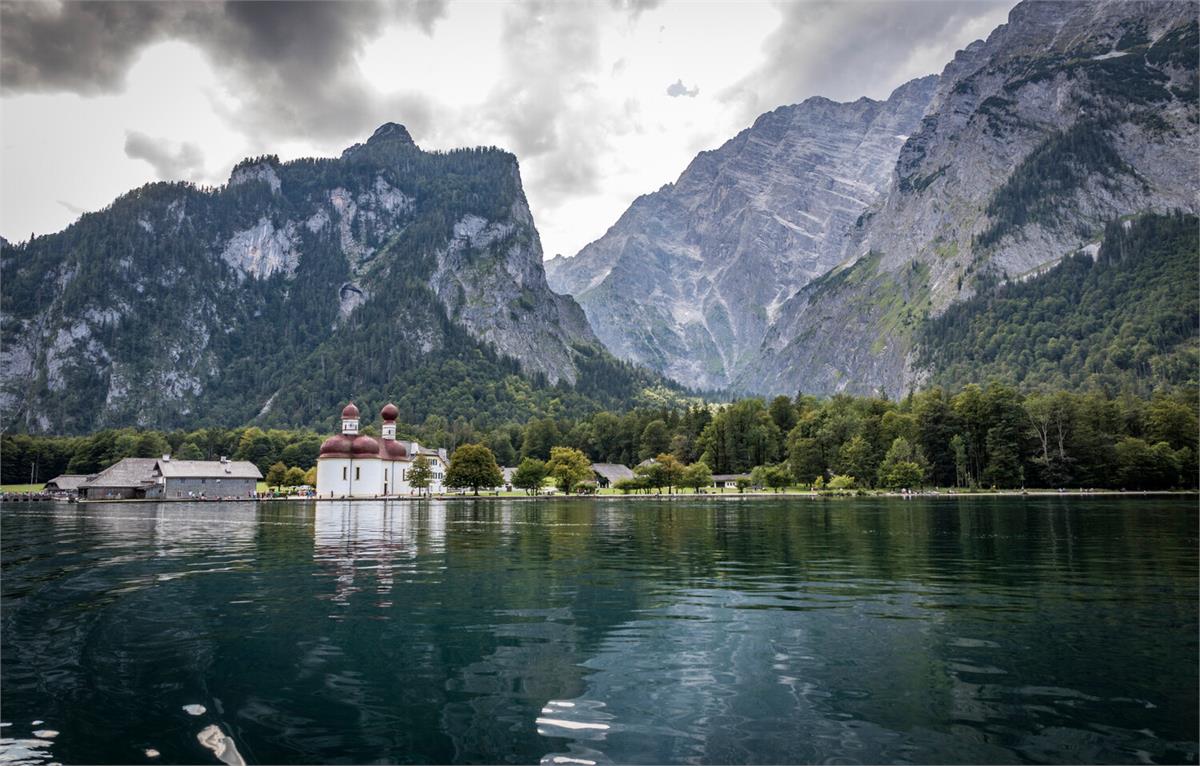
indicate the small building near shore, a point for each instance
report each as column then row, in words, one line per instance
column 728, row 480
column 208, row 478
column 608, row 474
column 351, row 464
column 66, row 483
column 127, row 479
column 507, row 472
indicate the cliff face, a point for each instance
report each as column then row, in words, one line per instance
column 691, row 277
column 271, row 297
column 1068, row 117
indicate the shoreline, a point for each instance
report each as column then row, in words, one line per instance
column 654, row 497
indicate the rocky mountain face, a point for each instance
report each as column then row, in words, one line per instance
column 691, row 277
column 1068, row 117
column 294, row 286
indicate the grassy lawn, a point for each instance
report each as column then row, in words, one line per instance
column 22, row 487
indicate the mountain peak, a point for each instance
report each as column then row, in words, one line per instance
column 391, row 131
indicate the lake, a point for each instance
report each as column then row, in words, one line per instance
column 972, row 630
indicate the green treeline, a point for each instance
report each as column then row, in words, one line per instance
column 993, row 436
column 1126, row 321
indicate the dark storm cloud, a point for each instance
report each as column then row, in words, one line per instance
column 292, row 64
column 81, row 47
column 846, row 50
column 181, row 163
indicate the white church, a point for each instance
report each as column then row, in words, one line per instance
column 356, row 465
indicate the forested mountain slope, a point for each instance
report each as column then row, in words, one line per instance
column 1121, row 319
column 388, row 273
column 1069, row 117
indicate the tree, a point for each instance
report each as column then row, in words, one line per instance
column 1048, row 417
column 276, row 474
column 568, row 466
column 655, row 440
column 783, row 413
column 473, row 466
column 256, row 447
column 420, row 475
column 151, row 444
column 841, row 481
column 310, row 476
column 669, row 470
column 696, row 475
column 501, row 446
column 1004, row 441
column 631, row 485
column 962, row 473
column 530, row 475
column 776, row 476
column 935, row 431
column 904, row 466
column 293, row 477
column 804, row 456
column 855, row 458
column 779, row 476
column 742, row 483
column 541, row 434
column 189, row 451
column 739, row 437
column 1141, row 466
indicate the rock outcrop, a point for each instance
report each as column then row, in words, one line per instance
column 294, row 284
column 1068, row 117
column 691, row 276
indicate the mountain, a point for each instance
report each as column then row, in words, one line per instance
column 388, row 273
column 1122, row 318
column 1069, row 117
column 691, row 277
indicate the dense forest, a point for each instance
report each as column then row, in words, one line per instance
column 991, row 436
column 1125, row 321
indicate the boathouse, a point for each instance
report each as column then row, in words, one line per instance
column 66, row 483
column 206, row 478
column 127, row 479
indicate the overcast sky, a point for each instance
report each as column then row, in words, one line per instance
column 600, row 101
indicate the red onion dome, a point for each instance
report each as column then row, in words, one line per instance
column 389, row 412
column 390, row 449
column 337, row 446
column 365, row 446
column 350, row 411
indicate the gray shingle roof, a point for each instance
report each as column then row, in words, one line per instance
column 208, row 469
column 67, row 481
column 128, row 472
column 613, row 472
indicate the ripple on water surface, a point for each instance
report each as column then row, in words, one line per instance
column 1039, row 630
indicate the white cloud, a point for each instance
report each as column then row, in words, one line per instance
column 677, row 88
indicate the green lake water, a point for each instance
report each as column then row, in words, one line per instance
column 973, row 630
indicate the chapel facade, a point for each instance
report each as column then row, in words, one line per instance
column 352, row 464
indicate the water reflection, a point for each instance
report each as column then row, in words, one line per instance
column 973, row 631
